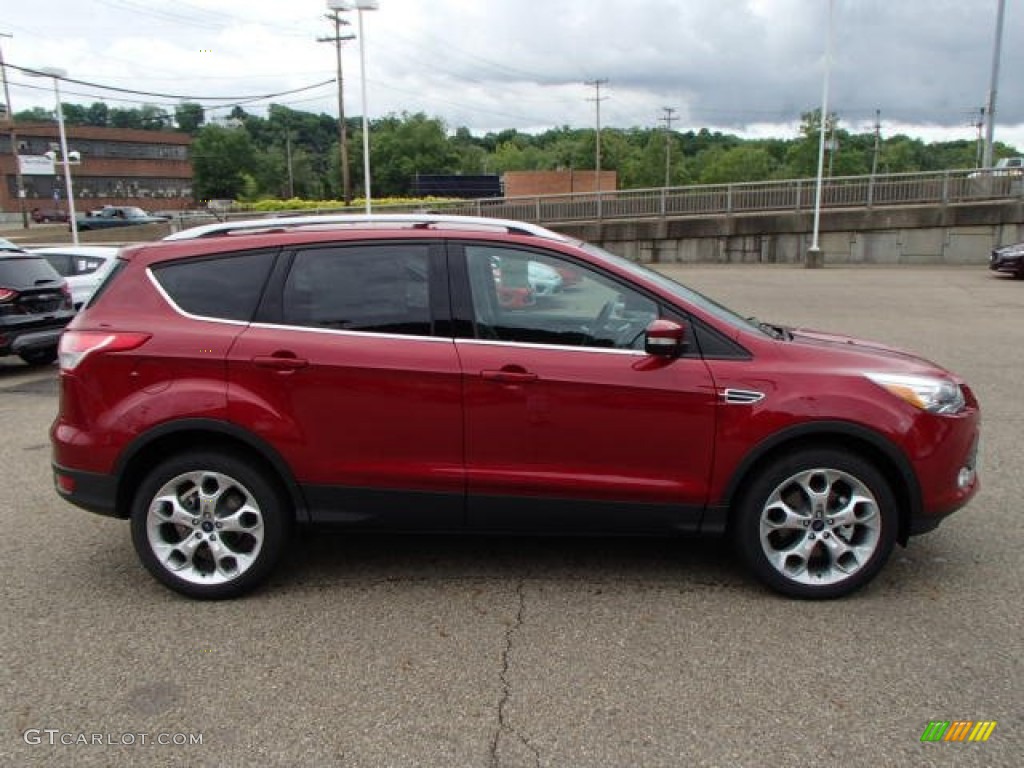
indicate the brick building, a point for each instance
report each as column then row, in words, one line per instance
column 563, row 182
column 119, row 166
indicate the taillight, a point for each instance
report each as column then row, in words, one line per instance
column 66, row 292
column 75, row 346
column 6, row 294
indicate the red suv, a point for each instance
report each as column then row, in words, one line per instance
column 238, row 379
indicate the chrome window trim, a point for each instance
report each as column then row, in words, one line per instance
column 357, row 334
column 559, row 347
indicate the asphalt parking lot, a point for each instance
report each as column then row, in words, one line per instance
column 400, row 651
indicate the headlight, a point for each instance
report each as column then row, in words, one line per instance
column 928, row 393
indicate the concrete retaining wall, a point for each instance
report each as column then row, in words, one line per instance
column 960, row 234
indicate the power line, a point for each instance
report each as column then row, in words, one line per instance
column 30, row 71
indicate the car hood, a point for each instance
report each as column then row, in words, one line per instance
column 865, row 351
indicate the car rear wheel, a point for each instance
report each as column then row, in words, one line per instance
column 816, row 524
column 208, row 525
column 39, row 356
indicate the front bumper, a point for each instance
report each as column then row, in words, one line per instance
column 1011, row 264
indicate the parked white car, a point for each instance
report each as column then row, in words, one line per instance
column 1006, row 166
column 83, row 266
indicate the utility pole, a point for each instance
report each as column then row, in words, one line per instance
column 993, row 87
column 878, row 142
column 338, row 39
column 598, row 98
column 668, row 119
column 980, row 126
column 874, row 156
column 14, row 140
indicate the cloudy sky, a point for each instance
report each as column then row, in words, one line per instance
column 745, row 66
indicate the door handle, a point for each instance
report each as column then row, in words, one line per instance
column 507, row 376
column 280, row 362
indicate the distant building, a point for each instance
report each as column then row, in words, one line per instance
column 562, row 182
column 119, row 166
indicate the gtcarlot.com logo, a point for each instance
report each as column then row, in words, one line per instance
column 958, row 730
column 55, row 737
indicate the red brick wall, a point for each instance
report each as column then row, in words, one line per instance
column 531, row 183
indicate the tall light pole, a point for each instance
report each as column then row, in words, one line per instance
column 65, row 160
column 365, row 5
column 990, row 126
column 814, row 256
column 335, row 6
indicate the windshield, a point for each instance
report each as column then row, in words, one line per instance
column 680, row 291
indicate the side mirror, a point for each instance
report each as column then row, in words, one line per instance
column 665, row 338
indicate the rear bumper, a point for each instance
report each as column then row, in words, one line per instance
column 90, row 491
column 18, row 334
column 35, row 340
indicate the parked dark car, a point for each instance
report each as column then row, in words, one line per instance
column 110, row 216
column 1008, row 259
column 35, row 306
column 46, row 215
column 235, row 380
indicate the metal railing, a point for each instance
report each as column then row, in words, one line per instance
column 943, row 188
column 901, row 189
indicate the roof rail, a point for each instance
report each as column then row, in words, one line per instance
column 341, row 220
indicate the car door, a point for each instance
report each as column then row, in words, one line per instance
column 351, row 370
column 569, row 424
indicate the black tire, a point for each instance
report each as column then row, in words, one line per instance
column 816, row 524
column 39, row 356
column 219, row 549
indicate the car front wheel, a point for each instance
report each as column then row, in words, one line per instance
column 816, row 524
column 208, row 525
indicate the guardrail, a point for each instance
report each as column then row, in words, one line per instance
column 940, row 188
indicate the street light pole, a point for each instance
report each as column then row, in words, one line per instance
column 814, row 258
column 990, row 126
column 56, row 74
column 365, row 5
column 65, row 160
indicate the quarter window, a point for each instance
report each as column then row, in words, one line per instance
column 372, row 288
column 226, row 287
column 531, row 297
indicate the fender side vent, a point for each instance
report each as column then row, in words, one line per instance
column 741, row 396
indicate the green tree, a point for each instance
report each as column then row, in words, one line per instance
column 189, row 117
column 125, row 118
column 98, row 115
column 74, row 114
column 730, row 166
column 34, row 115
column 403, row 146
column 221, row 159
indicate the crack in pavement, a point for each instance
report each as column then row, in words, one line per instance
column 505, row 729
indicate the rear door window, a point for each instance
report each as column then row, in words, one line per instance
column 376, row 288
